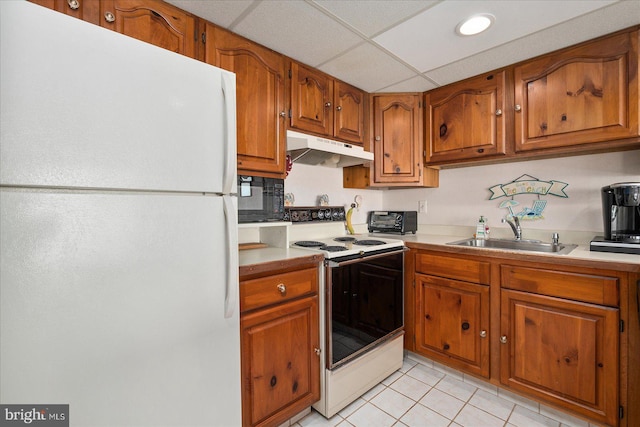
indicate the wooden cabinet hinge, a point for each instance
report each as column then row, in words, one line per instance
column 621, row 326
column 290, row 113
column 621, row 412
column 204, row 37
column 289, row 73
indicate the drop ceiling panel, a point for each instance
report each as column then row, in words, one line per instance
column 370, row 17
column 601, row 22
column 368, row 68
column 298, row 30
column 385, row 45
column 428, row 40
column 220, row 12
column 414, row 84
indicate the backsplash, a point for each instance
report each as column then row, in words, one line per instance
column 464, row 192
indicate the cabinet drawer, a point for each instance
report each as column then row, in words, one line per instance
column 589, row 288
column 277, row 288
column 453, row 268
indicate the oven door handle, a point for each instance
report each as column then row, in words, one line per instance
column 332, row 264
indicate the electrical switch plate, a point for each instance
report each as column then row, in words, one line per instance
column 422, row 206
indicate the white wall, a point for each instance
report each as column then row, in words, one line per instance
column 464, row 193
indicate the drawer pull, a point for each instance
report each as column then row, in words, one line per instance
column 503, row 339
column 283, row 289
column 483, row 334
column 465, row 326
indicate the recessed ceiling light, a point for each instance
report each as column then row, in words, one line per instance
column 475, row 24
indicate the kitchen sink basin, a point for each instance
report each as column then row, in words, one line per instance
column 517, row 245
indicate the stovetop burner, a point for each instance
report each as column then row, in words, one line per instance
column 341, row 246
column 334, row 248
column 344, row 239
column 310, row 244
column 368, row 242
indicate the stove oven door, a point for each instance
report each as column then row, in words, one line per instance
column 364, row 304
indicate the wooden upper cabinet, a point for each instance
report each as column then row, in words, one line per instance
column 259, row 97
column 311, row 100
column 397, row 134
column 87, row 10
column 151, row 21
column 322, row 105
column 350, row 103
column 583, row 95
column 467, row 120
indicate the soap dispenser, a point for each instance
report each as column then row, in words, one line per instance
column 480, row 229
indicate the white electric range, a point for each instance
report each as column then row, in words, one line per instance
column 361, row 305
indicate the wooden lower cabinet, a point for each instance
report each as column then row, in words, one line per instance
column 563, row 333
column 280, row 342
column 453, row 323
column 279, row 362
column 561, row 351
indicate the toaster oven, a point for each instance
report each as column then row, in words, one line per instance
column 393, row 221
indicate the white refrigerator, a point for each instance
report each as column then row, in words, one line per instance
column 118, row 227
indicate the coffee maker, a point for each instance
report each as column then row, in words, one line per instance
column 621, row 219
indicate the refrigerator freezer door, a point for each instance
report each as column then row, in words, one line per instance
column 115, row 304
column 83, row 106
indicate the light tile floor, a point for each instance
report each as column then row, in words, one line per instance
column 426, row 394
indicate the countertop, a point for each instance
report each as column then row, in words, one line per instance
column 580, row 255
column 280, row 257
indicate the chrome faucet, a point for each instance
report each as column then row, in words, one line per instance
column 515, row 226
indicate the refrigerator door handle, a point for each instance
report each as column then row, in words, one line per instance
column 229, row 95
column 232, row 282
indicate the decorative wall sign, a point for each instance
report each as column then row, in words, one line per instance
column 527, row 184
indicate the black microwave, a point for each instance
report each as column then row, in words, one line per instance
column 260, row 199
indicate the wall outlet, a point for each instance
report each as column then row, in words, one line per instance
column 422, row 206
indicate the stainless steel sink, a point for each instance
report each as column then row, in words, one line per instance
column 517, row 245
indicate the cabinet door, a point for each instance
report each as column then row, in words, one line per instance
column 579, row 96
column 311, row 100
column 466, row 120
column 453, row 322
column 349, row 105
column 280, row 366
column 151, row 21
column 259, row 97
column 87, row 10
column 397, row 128
column 561, row 351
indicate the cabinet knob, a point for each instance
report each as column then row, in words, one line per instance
column 483, row 334
column 339, row 108
column 465, row 326
column 378, row 138
column 317, row 351
column 282, row 288
column 283, row 114
column 503, row 339
column 109, row 17
column 327, row 105
column 498, row 112
column 518, row 107
column 73, row 4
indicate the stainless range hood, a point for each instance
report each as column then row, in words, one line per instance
column 315, row 150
